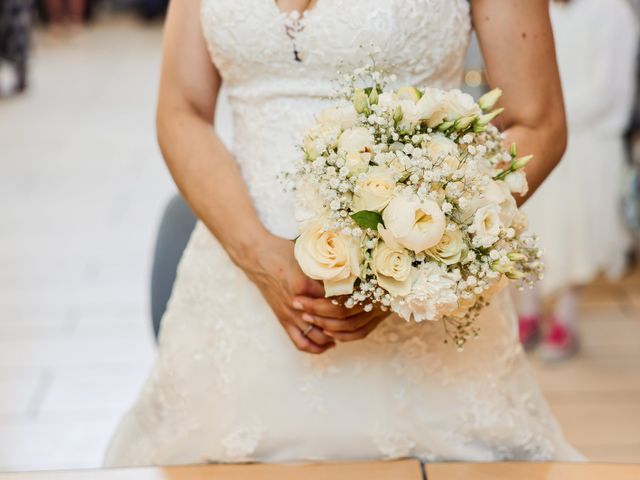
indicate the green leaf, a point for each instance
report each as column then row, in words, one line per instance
column 367, row 219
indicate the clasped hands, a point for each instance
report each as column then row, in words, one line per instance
column 313, row 323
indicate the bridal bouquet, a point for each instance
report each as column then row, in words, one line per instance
column 404, row 199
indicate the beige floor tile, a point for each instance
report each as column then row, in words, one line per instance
column 604, row 424
column 613, row 453
column 588, row 375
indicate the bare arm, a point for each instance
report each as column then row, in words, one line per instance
column 210, row 179
column 202, row 167
column 517, row 44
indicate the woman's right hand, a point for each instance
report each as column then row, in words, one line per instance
column 275, row 271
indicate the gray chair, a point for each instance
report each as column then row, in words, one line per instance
column 174, row 232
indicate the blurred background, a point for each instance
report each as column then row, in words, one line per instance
column 91, row 228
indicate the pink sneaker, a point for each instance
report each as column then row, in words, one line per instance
column 529, row 328
column 560, row 343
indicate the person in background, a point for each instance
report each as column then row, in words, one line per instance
column 576, row 212
column 15, row 38
column 66, row 12
column 152, row 9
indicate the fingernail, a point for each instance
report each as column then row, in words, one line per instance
column 328, row 334
column 307, row 318
column 297, row 304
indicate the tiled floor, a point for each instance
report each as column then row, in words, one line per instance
column 596, row 396
column 82, row 186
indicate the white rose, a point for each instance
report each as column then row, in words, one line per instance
column 508, row 205
column 496, row 193
column 319, row 138
column 375, row 190
column 461, row 104
column 355, row 140
column 357, row 162
column 486, row 225
column 410, row 117
column 387, row 100
column 441, row 147
column 413, row 223
column 432, row 106
column 392, row 266
column 451, row 249
column 342, row 115
column 329, row 256
column 517, row 182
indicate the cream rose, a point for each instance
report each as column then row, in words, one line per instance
column 355, row 140
column 451, row 248
column 387, row 100
column 392, row 266
column 342, row 115
column 508, row 205
column 329, row 256
column 432, row 107
column 496, row 193
column 410, row 117
column 486, row 225
column 319, row 138
column 460, row 105
column 357, row 162
column 375, row 190
column 441, row 147
column 413, row 223
column 440, row 144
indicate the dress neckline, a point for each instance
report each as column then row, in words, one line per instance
column 294, row 22
column 295, row 13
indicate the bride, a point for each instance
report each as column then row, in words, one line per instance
column 253, row 363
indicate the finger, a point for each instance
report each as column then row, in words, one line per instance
column 319, row 337
column 358, row 334
column 304, row 285
column 324, row 307
column 302, row 343
column 316, row 335
column 350, row 324
column 313, row 288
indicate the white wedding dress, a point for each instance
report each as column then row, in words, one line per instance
column 228, row 385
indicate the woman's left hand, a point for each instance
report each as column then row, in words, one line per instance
column 322, row 313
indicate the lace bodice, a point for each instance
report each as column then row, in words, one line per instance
column 273, row 96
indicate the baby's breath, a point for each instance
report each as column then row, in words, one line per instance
column 379, row 144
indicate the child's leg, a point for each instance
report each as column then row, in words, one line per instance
column 529, row 313
column 560, row 341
